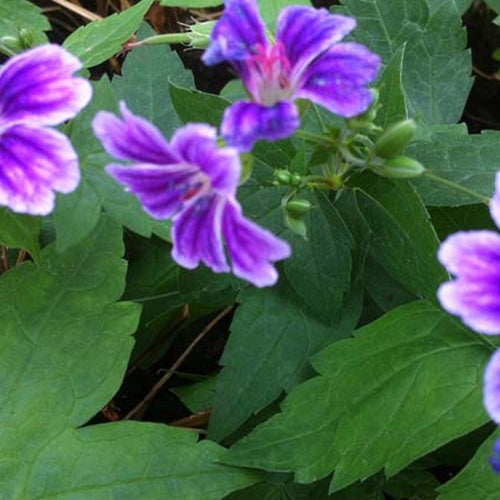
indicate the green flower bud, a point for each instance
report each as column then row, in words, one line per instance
column 246, row 167
column 394, row 140
column 199, row 34
column 401, row 167
column 298, row 207
column 283, row 176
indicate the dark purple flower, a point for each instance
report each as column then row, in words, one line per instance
column 306, row 61
column 37, row 90
column 474, row 257
column 194, row 182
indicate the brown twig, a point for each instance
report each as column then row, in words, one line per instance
column 195, row 420
column 486, row 76
column 143, row 405
column 4, row 256
column 86, row 14
column 21, row 256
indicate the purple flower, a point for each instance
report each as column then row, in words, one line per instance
column 194, row 182
column 474, row 257
column 495, row 458
column 37, row 90
column 305, row 62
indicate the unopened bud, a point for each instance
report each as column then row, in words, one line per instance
column 298, row 207
column 199, row 34
column 401, row 167
column 283, row 176
column 394, row 140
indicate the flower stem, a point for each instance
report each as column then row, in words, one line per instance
column 160, row 39
column 457, row 187
column 312, row 137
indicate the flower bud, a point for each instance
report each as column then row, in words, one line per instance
column 16, row 44
column 401, row 167
column 283, row 176
column 394, row 140
column 298, row 207
column 199, row 34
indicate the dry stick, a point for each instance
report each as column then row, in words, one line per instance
column 87, row 14
column 143, row 405
column 5, row 259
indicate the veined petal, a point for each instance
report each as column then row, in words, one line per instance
column 237, row 33
column 196, row 144
column 251, row 247
column 471, row 254
column 336, row 80
column 491, row 393
column 161, row 189
column 35, row 162
column 38, row 86
column 495, row 201
column 305, row 33
column 197, row 235
column 132, row 138
column 245, row 123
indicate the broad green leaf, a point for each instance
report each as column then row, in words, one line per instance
column 404, row 386
column 267, row 352
column 195, row 106
column 470, row 161
column 199, row 396
column 144, row 86
column 461, row 5
column 99, row 40
column 65, row 345
column 402, row 237
column 392, row 96
column 412, row 483
column 270, row 9
column 477, row 480
column 436, row 65
column 16, row 15
column 493, row 4
column 77, row 213
column 20, row 231
column 319, row 269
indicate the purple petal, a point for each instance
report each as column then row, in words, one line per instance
column 305, row 33
column 237, row 33
column 244, row 123
column 495, row 201
column 132, row 138
column 251, row 247
column 35, row 162
column 161, row 189
column 38, row 86
column 495, row 458
column 336, row 80
column 196, row 144
column 491, row 392
column 475, row 296
column 197, row 235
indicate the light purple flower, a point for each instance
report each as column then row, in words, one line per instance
column 491, row 397
column 306, row 61
column 38, row 90
column 474, row 257
column 194, row 182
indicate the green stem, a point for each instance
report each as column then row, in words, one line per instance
column 311, row 137
column 457, row 187
column 161, row 39
column 154, row 297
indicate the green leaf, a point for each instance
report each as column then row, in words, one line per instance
column 402, row 237
column 493, row 4
column 412, row 483
column 196, row 106
column 77, row 213
column 470, row 161
column 477, row 480
column 199, row 396
column 20, row 231
column 271, row 340
column 22, row 14
column 144, row 85
column 392, row 96
column 461, row 5
column 436, row 65
column 99, row 40
column 65, row 345
column 404, row 386
column 320, row 269
column 270, row 9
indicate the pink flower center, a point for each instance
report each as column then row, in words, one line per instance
column 270, row 69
